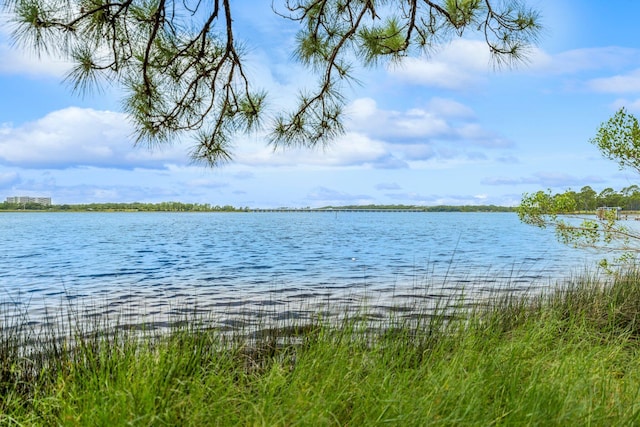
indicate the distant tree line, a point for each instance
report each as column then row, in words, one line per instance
column 206, row 207
column 587, row 199
column 24, row 206
column 125, row 207
column 439, row 208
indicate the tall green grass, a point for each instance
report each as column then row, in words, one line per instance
column 566, row 357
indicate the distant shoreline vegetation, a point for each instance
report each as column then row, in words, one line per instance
column 206, row 207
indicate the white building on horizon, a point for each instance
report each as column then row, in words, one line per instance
column 21, row 200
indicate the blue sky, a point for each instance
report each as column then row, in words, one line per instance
column 443, row 129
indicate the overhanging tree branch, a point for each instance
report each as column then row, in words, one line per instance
column 182, row 72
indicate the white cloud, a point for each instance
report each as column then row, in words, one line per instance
column 349, row 150
column 450, row 109
column 544, row 179
column 622, row 83
column 364, row 116
column 442, row 199
column 425, row 132
column 384, row 139
column 580, row 60
column 477, row 135
column 14, row 60
column 458, row 65
column 417, row 152
column 75, row 137
column 431, row 73
column 362, row 109
column 464, row 63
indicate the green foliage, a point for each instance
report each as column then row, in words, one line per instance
column 382, row 41
column 537, row 207
column 124, row 207
column 619, row 139
column 601, row 230
column 463, row 12
column 206, row 207
column 5, row 206
column 181, row 68
column 586, row 199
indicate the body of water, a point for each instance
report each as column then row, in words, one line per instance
column 146, row 267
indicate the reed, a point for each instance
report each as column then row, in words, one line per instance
column 563, row 357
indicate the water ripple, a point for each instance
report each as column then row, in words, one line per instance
column 155, row 261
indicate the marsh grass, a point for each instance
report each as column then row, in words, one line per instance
column 566, row 357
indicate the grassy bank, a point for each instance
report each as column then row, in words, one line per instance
column 565, row 358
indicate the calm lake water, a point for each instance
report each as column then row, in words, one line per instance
column 147, row 267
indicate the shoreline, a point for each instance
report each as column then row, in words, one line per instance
column 512, row 361
column 253, row 310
